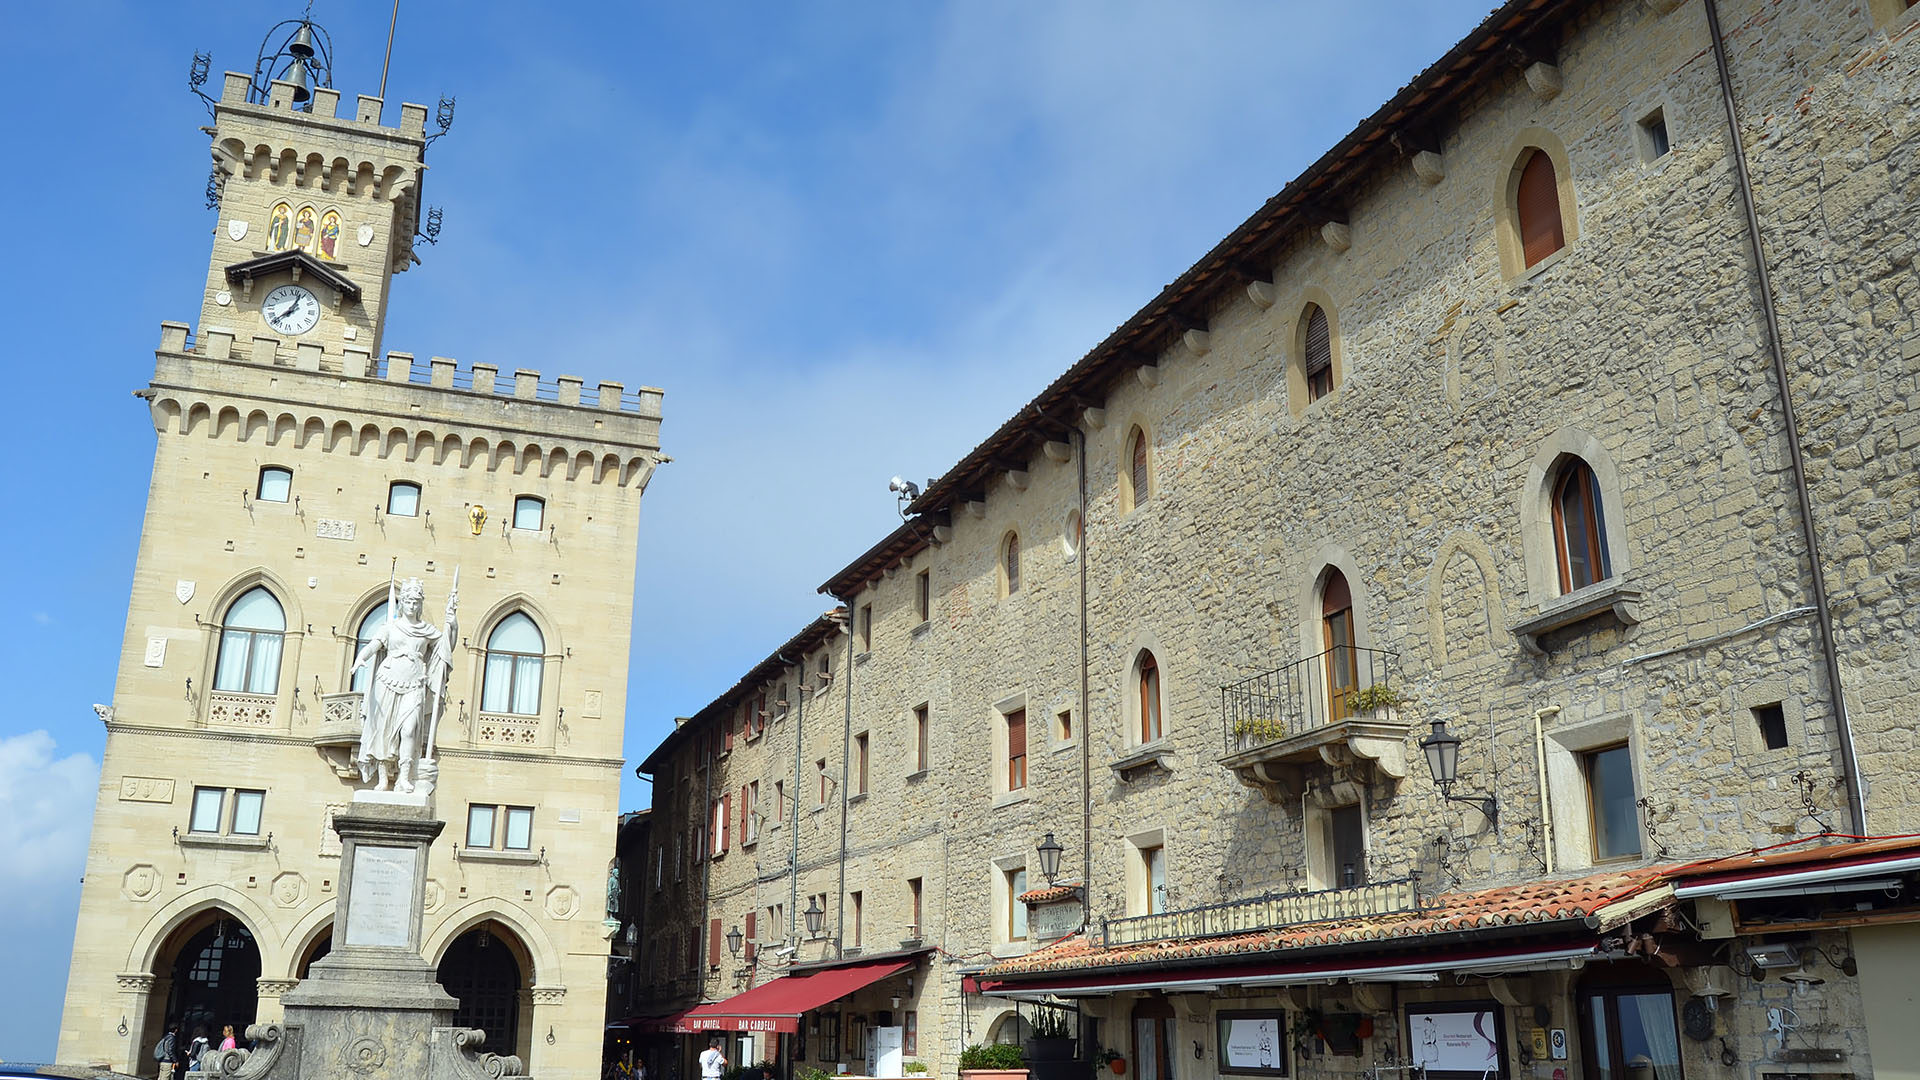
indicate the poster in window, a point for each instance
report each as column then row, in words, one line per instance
column 1455, row 1041
column 1252, row 1042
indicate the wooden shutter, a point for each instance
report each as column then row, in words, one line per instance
column 1149, row 698
column 1139, row 476
column 746, row 811
column 713, row 943
column 1335, row 596
column 1319, row 346
column 1537, row 205
column 728, row 725
column 1013, row 562
column 726, row 822
column 1016, row 749
column 748, row 952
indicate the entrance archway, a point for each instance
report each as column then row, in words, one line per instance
column 483, row 969
column 212, row 966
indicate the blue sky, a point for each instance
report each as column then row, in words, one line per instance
column 849, row 239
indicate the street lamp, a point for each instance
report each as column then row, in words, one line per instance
column 1050, row 858
column 734, row 938
column 815, row 916
column 1442, row 748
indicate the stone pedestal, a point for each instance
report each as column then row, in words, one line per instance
column 371, row 1009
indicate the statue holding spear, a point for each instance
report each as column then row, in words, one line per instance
column 400, row 711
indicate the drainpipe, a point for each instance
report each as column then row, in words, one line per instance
column 846, row 757
column 1849, row 759
column 1086, row 728
column 706, row 865
column 799, row 706
column 1546, row 796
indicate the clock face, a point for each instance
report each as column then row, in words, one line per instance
column 290, row 309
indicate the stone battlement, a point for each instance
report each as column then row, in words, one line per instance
column 326, row 106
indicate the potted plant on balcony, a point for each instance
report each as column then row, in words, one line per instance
column 1252, row 731
column 994, row 1061
column 1380, row 700
column 1114, row 1061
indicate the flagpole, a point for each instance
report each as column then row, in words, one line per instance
column 384, row 64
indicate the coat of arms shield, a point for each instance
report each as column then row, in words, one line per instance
column 183, row 589
column 236, row 229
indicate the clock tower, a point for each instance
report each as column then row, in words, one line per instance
column 318, row 211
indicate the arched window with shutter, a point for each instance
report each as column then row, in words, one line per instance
column 1137, row 449
column 1537, row 208
column 1316, row 352
column 1336, row 629
column 1010, row 563
column 1147, row 671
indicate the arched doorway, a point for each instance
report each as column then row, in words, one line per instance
column 321, row 945
column 212, row 965
column 483, row 970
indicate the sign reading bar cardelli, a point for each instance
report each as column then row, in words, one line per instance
column 380, row 896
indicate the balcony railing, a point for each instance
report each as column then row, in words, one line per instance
column 1279, row 704
column 1274, row 911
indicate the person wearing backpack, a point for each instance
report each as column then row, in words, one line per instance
column 198, row 1048
column 167, row 1051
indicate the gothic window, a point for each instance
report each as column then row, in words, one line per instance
column 1147, row 678
column 368, row 625
column 1537, row 208
column 1579, row 528
column 1336, row 634
column 1010, row 563
column 1137, row 481
column 251, row 635
column 1316, row 353
column 515, row 654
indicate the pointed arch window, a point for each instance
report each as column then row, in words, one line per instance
column 1137, row 481
column 251, row 636
column 1148, row 675
column 1579, row 528
column 369, row 625
column 1537, row 209
column 1316, row 353
column 1010, row 562
column 516, row 653
column 1336, row 630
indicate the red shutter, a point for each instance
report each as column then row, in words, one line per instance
column 713, row 943
column 1335, row 597
column 1537, row 204
column 726, row 822
column 750, row 923
column 746, row 808
column 728, row 726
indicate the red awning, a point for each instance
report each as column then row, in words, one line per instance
column 777, row 1005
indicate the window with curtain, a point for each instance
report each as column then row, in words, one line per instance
column 515, row 653
column 1316, row 354
column 1137, row 489
column 1153, row 862
column 403, row 499
column 251, row 636
column 1579, row 528
column 369, row 624
column 1153, row 1039
column 1628, row 1027
column 1615, row 818
column 1016, row 911
column 1011, row 562
column 1336, row 632
column 276, row 484
column 1151, row 727
column 1537, row 209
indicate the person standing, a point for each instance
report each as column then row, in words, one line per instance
column 227, row 1041
column 713, row 1063
column 167, row 1051
column 198, row 1048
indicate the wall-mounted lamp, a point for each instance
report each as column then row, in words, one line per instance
column 1442, row 748
column 815, row 916
column 1049, row 851
column 734, row 940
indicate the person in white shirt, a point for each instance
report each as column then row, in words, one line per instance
column 712, row 1062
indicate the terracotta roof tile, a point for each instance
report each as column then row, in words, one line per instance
column 1049, row 894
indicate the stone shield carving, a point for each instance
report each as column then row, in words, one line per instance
column 140, row 882
column 236, row 230
column 289, row 888
column 562, row 902
column 364, row 234
column 183, row 590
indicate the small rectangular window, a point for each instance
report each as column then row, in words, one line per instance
column 276, row 484
column 207, row 804
column 910, row 1033
column 913, row 907
column 923, row 595
column 1616, row 824
column 1016, row 908
column 1155, row 860
column 1017, row 750
column 479, row 826
column 1063, row 725
column 529, row 512
column 779, row 801
column 1349, row 846
column 920, row 739
column 860, row 763
column 403, row 499
column 519, row 828
column 856, row 899
column 1653, row 135
column 820, row 767
column 866, row 627
column 246, row 812
column 1773, row 725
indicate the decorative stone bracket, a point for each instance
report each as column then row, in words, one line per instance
column 1147, row 758
column 1596, row 601
column 455, row 1054
column 1369, row 749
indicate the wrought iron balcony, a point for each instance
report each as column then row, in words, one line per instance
column 1332, row 709
column 1274, row 911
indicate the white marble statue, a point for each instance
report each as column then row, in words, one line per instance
column 407, row 693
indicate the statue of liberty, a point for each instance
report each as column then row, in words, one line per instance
column 403, row 700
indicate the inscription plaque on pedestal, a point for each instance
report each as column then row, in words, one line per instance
column 380, row 896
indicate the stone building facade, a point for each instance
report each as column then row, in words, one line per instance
column 296, row 473
column 1491, row 418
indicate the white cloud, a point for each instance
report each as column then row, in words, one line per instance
column 47, row 804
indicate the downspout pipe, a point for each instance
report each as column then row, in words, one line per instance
column 1086, row 728
column 1849, row 758
column 799, row 706
column 846, row 757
